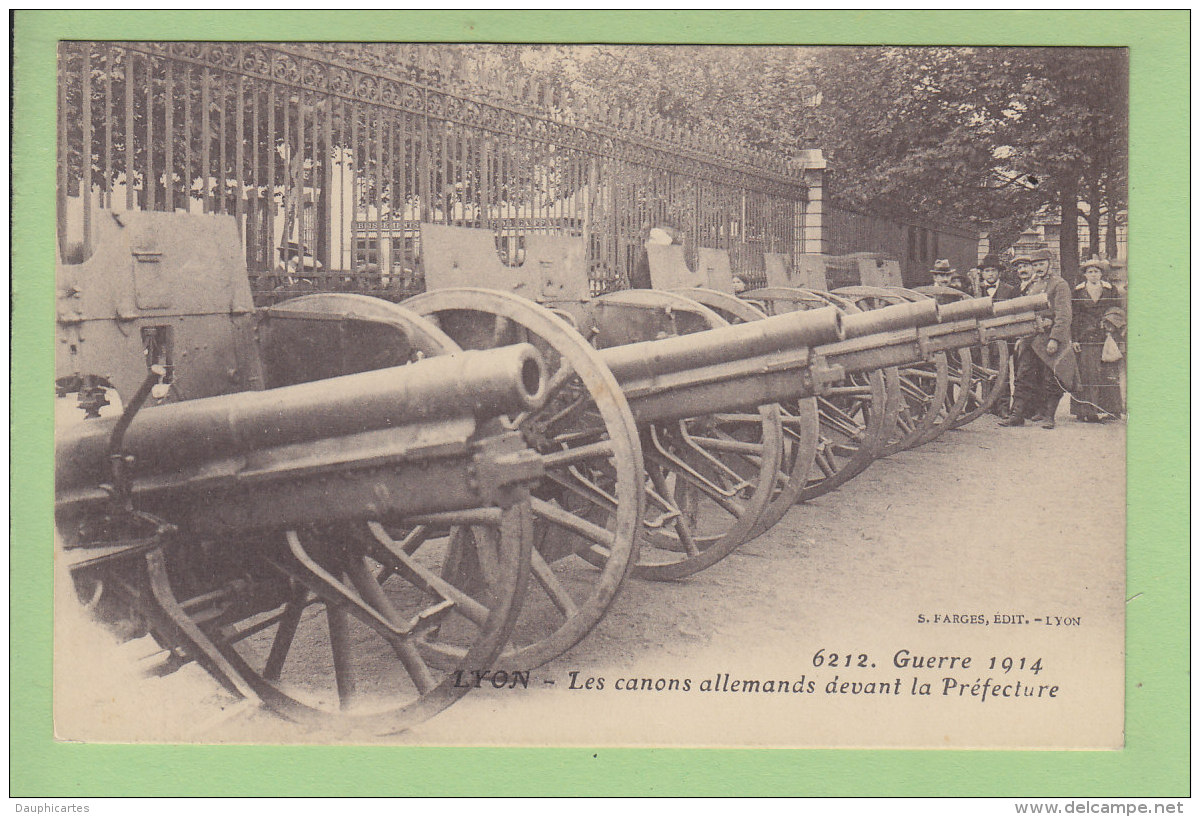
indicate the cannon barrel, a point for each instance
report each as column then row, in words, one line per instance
column 727, row 344
column 903, row 347
column 966, row 309
column 907, row 315
column 162, row 439
column 804, row 371
column 719, row 369
column 1026, row 303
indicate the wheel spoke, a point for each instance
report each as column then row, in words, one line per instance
column 576, row 524
column 343, row 664
column 553, row 587
column 735, row 509
column 360, row 577
column 584, row 489
column 566, row 412
column 682, row 529
column 726, row 419
column 729, row 446
column 823, row 463
column 425, row 579
column 281, row 645
column 570, row 456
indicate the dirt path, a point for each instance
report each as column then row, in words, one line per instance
column 981, row 523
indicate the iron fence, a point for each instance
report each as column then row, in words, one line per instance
column 330, row 170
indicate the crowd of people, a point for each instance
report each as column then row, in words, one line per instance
column 1081, row 352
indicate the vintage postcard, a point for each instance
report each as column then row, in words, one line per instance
column 483, row 394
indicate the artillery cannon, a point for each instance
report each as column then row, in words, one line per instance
column 853, row 415
column 934, row 391
column 960, row 392
column 679, row 368
column 936, row 394
column 251, row 510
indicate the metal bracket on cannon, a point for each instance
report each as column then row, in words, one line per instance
column 824, row 375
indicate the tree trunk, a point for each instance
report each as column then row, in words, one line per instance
column 1093, row 219
column 1110, row 227
column 1068, row 242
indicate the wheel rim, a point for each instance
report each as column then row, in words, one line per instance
column 854, row 419
column 923, row 386
column 709, row 479
column 587, row 509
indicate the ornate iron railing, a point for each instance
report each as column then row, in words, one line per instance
column 330, row 169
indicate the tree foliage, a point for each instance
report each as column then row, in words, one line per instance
column 979, row 136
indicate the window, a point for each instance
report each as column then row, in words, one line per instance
column 366, row 251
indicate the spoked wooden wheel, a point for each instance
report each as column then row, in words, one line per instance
column 709, row 478
column 340, row 634
column 959, row 365
column 989, row 376
column 709, row 482
column 989, row 365
column 587, row 508
column 923, row 386
column 801, row 424
column 960, row 373
column 854, row 417
column 346, row 646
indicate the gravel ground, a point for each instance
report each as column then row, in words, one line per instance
column 915, row 555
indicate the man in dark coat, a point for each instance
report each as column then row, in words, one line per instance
column 992, row 284
column 1046, row 361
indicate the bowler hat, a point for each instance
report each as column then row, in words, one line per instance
column 990, row 260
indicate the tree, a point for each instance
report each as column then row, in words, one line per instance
column 1073, row 131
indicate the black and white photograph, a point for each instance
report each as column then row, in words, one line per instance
column 485, row 394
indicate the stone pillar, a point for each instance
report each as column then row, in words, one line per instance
column 812, row 166
column 983, row 247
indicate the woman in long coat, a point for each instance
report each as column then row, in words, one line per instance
column 1099, row 394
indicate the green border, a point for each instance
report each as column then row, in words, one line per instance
column 1155, row 762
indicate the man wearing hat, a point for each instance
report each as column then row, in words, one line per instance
column 942, row 274
column 1046, row 361
column 1023, row 265
column 992, row 285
